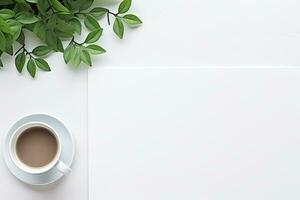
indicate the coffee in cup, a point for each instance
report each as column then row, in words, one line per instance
column 35, row 148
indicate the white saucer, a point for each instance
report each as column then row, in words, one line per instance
column 67, row 154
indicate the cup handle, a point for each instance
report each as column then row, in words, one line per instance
column 63, row 168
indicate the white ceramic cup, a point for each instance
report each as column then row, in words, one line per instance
column 55, row 163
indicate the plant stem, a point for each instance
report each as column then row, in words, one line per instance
column 110, row 13
column 19, row 50
column 73, row 41
column 25, row 51
column 108, row 20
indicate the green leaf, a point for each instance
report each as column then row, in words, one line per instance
column 6, row 2
column 26, row 18
column 20, row 61
column 15, row 28
column 76, row 24
column 65, row 27
column 9, row 50
column 59, row 7
column 14, row 25
column 98, row 12
column 86, row 58
column 78, row 4
column 7, row 13
column 124, row 6
column 2, row 41
column 1, row 64
column 42, row 64
column 94, row 36
column 32, row 1
column 41, row 51
column 42, row 7
column 132, row 20
column 31, row 67
column 85, row 4
column 40, row 30
column 53, row 41
column 119, row 28
column 76, row 56
column 21, row 38
column 95, row 49
column 91, row 23
column 68, row 53
column 4, row 26
column 60, row 46
column 64, row 35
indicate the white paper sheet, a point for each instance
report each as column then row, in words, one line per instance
column 189, row 133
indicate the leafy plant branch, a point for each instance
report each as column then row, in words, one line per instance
column 55, row 21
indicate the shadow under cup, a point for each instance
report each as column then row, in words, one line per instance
column 35, row 148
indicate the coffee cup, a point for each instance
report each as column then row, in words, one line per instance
column 35, row 148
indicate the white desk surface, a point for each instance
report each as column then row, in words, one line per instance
column 61, row 94
column 175, row 33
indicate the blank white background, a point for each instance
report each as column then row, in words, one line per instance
column 214, row 32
